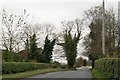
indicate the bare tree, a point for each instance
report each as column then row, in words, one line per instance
column 11, row 28
column 86, row 45
column 111, row 30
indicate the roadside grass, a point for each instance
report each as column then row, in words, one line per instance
column 31, row 73
column 0, row 77
column 98, row 75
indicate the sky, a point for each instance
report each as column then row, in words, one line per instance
column 53, row 11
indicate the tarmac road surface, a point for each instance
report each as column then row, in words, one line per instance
column 82, row 73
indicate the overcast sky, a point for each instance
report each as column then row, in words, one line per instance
column 53, row 11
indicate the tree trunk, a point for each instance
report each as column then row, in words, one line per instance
column 93, row 63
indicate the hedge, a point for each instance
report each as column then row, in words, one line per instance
column 16, row 67
column 110, row 67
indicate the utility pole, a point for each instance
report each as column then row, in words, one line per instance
column 103, row 28
column 118, row 29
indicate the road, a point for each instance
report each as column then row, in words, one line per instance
column 80, row 74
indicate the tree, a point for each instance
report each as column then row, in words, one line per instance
column 93, row 42
column 93, row 45
column 27, row 46
column 11, row 28
column 33, row 51
column 118, row 46
column 71, row 40
column 111, row 33
column 96, row 41
column 79, row 62
column 29, row 30
column 95, row 13
column 48, row 36
column 41, row 31
column 86, row 45
column 47, row 51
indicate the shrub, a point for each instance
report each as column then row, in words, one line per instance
column 8, row 56
column 16, row 67
column 109, row 67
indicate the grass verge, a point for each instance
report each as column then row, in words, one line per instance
column 98, row 75
column 30, row 73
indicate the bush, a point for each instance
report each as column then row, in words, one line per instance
column 16, row 67
column 8, row 56
column 109, row 67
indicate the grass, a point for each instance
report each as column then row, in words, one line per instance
column 30, row 73
column 98, row 75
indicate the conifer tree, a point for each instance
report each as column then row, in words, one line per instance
column 47, row 51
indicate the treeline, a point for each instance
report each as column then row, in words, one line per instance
column 17, row 33
column 32, row 51
column 93, row 41
column 103, row 65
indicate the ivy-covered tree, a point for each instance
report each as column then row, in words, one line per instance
column 47, row 51
column 71, row 41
